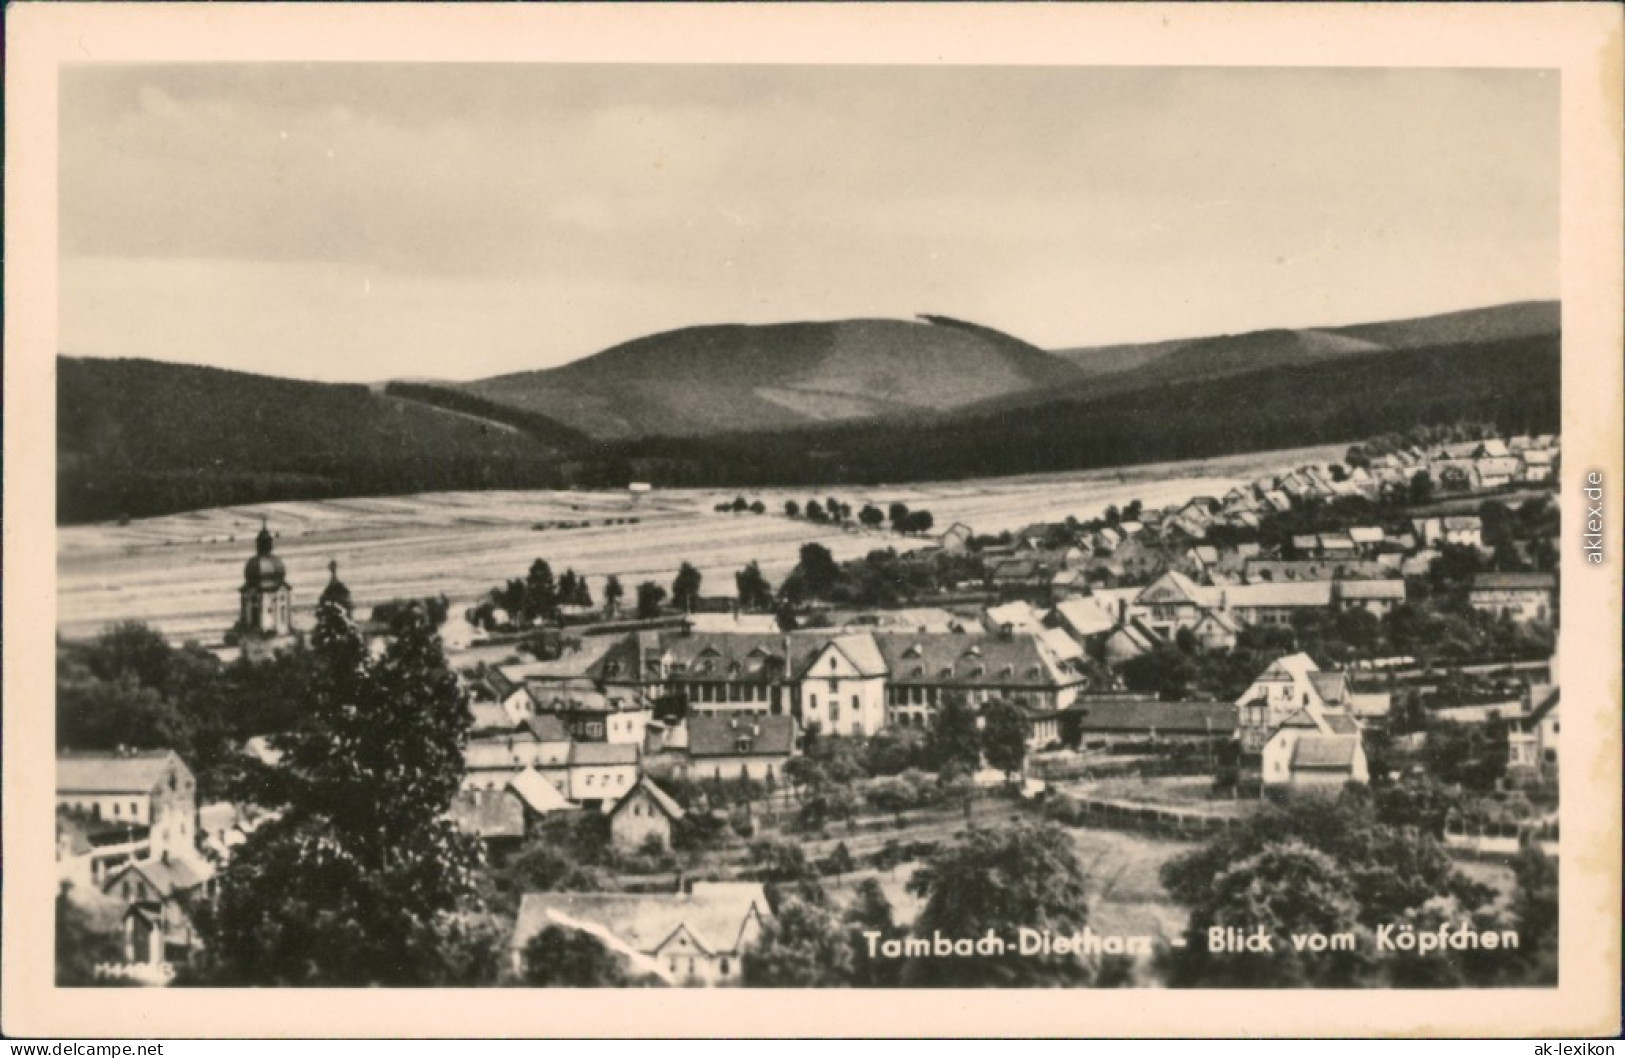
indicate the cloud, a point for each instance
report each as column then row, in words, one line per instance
column 543, row 210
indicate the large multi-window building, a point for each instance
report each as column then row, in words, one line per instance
column 848, row 683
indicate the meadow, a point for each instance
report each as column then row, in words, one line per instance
column 181, row 572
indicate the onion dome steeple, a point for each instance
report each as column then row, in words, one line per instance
column 336, row 592
column 264, row 571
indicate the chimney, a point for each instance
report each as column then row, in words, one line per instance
column 1007, row 631
column 1122, row 611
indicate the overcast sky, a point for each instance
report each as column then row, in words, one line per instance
column 354, row 222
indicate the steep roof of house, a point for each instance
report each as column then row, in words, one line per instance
column 132, row 772
column 1325, row 753
column 860, row 649
column 1085, row 616
column 547, row 728
column 669, row 808
column 488, row 716
column 176, row 874
column 1173, row 586
column 1018, row 615
column 715, row 914
column 1060, row 644
column 728, row 736
column 537, row 794
column 1333, row 687
column 602, row 754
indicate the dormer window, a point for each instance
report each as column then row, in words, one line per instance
column 913, row 651
column 742, row 744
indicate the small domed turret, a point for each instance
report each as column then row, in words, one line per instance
column 336, row 592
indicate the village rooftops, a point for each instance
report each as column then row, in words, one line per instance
column 168, row 875
column 1017, row 661
column 582, row 696
column 546, row 728
column 663, row 800
column 740, row 657
column 715, row 915
column 136, row 771
column 724, row 736
column 1085, row 616
column 537, row 794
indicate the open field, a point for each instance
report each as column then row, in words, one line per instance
column 181, row 572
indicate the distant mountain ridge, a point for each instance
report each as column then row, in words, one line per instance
column 730, row 377
column 853, row 401
column 1127, row 368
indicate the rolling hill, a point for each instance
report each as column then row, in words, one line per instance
column 702, row 380
column 139, row 437
column 1512, row 382
column 1125, row 368
column 856, row 401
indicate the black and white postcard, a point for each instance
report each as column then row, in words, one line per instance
column 883, row 508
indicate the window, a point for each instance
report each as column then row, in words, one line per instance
column 115, row 808
column 724, row 967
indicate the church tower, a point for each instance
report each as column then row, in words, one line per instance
column 267, row 600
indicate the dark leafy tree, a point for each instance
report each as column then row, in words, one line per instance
column 650, row 596
column 918, row 522
column 613, row 593
column 897, row 514
column 1000, row 882
column 755, row 593
column 1284, row 888
column 954, row 742
column 804, row 945
column 685, row 588
column 871, row 516
column 792, row 509
column 1004, row 737
column 362, row 876
column 541, row 593
column 561, row 957
column 818, row 569
column 1389, row 870
column 1535, row 908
